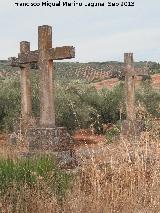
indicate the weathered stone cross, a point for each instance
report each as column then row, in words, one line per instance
column 44, row 56
column 130, row 86
column 130, row 73
column 26, row 94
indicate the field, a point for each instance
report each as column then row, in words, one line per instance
column 114, row 173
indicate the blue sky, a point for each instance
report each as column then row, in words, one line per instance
column 98, row 34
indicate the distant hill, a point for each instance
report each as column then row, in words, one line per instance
column 90, row 72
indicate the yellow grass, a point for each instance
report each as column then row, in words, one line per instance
column 128, row 181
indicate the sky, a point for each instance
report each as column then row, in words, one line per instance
column 98, row 33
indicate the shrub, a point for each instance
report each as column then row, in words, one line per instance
column 78, row 105
column 71, row 111
column 9, row 102
column 107, row 104
column 150, row 98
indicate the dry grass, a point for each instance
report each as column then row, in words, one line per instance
column 128, row 181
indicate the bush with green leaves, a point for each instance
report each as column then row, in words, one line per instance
column 71, row 111
column 9, row 102
column 107, row 104
column 78, row 105
column 150, row 99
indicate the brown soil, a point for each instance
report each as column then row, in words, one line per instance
column 86, row 136
column 3, row 139
column 110, row 83
column 156, row 81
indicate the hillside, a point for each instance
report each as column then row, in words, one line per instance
column 89, row 72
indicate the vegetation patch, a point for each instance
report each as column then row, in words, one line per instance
column 39, row 171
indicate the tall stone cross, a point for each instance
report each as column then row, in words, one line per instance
column 130, row 86
column 130, row 73
column 26, row 93
column 45, row 56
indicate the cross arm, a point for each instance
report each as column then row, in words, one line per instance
column 30, row 57
column 141, row 71
column 23, row 59
column 135, row 71
column 59, row 53
column 13, row 61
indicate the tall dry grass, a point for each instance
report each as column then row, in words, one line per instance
column 128, row 181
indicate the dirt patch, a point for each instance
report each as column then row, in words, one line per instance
column 112, row 82
column 109, row 83
column 86, row 136
column 156, row 81
column 3, row 139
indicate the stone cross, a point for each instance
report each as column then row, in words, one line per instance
column 26, row 94
column 45, row 56
column 130, row 73
column 130, row 86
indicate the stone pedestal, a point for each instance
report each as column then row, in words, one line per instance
column 48, row 139
column 132, row 128
column 56, row 141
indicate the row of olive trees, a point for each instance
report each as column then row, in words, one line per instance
column 78, row 105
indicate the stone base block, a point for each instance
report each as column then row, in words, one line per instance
column 66, row 159
column 132, row 128
column 21, row 125
column 53, row 141
column 48, row 139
